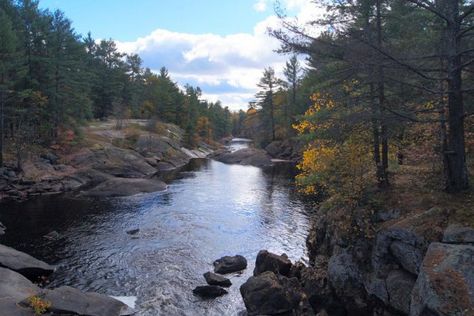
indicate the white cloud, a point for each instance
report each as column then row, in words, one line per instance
column 260, row 6
column 225, row 67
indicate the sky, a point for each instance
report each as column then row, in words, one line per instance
column 222, row 46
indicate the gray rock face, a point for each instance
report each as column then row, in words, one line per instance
column 268, row 294
column 344, row 275
column 399, row 287
column 247, row 156
column 68, row 300
column 287, row 149
column 267, row 261
column 209, row 291
column 115, row 161
column 229, row 264
column 445, row 285
column 23, row 263
column 457, row 234
column 15, row 288
column 126, row 187
column 406, row 241
column 216, row 279
column 410, row 257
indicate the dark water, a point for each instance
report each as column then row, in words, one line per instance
column 212, row 210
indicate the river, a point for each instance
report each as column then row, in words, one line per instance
column 210, row 210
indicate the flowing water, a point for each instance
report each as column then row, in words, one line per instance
column 210, row 210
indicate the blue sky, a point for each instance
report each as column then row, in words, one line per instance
column 221, row 46
column 126, row 20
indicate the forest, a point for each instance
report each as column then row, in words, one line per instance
column 384, row 82
column 52, row 81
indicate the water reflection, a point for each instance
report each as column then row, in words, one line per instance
column 211, row 211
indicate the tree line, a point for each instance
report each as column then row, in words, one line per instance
column 53, row 80
column 383, row 80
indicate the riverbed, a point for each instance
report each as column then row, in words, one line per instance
column 210, row 210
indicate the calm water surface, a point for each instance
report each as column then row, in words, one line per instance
column 211, row 210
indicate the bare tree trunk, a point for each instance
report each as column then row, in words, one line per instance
column 2, row 121
column 383, row 166
column 457, row 175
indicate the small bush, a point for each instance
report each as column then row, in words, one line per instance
column 39, row 305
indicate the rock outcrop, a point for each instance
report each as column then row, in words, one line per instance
column 23, row 263
column 229, row 264
column 125, row 187
column 216, row 279
column 445, row 285
column 267, row 261
column 270, row 294
column 288, row 149
column 108, row 158
column 70, row 301
column 414, row 265
column 209, row 291
column 246, row 156
column 16, row 290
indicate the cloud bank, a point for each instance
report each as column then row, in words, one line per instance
column 227, row 68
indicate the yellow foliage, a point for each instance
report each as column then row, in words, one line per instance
column 341, row 168
column 39, row 305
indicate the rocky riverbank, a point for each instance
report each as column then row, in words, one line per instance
column 22, row 296
column 415, row 264
column 108, row 162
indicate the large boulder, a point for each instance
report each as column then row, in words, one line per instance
column 317, row 288
column 269, row 294
column 67, row 300
column 246, row 156
column 399, row 286
column 445, row 285
column 15, row 288
column 125, row 187
column 267, row 261
column 346, row 279
column 229, row 264
column 114, row 161
column 458, row 234
column 405, row 242
column 286, row 149
column 209, row 291
column 23, row 263
column 216, row 279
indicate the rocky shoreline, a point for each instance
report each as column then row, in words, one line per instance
column 109, row 163
column 417, row 265
column 20, row 296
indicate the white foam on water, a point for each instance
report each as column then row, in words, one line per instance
column 127, row 300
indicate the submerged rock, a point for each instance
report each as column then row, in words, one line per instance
column 54, row 235
column 209, row 291
column 133, row 231
column 2, row 229
column 229, row 264
column 125, row 186
column 267, row 261
column 23, row 263
column 445, row 285
column 269, row 294
column 216, row 279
